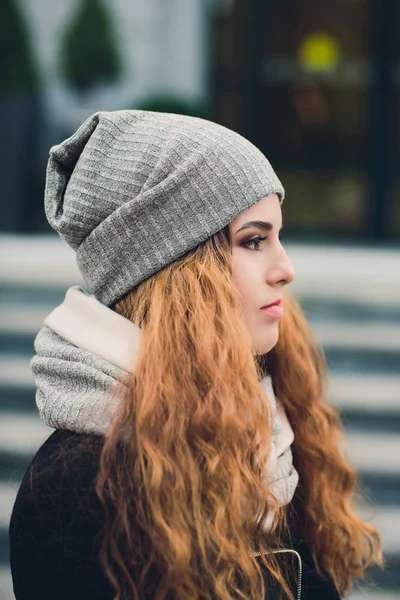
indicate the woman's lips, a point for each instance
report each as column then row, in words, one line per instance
column 274, row 310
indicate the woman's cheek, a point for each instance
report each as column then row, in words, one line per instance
column 244, row 281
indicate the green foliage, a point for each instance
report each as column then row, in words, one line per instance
column 174, row 104
column 89, row 53
column 18, row 69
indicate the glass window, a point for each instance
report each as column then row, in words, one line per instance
column 311, row 104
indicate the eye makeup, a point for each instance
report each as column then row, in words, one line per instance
column 255, row 240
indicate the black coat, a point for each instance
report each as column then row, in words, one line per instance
column 55, row 529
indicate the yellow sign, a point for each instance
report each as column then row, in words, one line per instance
column 319, row 52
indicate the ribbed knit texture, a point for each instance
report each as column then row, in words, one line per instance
column 75, row 389
column 132, row 191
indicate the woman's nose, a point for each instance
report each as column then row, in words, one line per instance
column 290, row 272
column 284, row 272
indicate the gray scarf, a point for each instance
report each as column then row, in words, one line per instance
column 85, row 350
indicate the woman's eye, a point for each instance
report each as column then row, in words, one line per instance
column 254, row 243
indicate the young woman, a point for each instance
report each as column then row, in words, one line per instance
column 194, row 455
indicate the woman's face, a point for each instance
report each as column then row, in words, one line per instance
column 261, row 268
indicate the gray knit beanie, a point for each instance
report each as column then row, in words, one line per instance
column 131, row 191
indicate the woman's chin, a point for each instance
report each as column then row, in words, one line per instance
column 265, row 345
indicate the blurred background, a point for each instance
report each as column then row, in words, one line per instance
column 316, row 86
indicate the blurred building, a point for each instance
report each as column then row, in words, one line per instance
column 315, row 84
column 162, row 45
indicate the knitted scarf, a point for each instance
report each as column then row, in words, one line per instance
column 86, row 349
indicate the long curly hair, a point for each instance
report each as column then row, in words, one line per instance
column 181, row 468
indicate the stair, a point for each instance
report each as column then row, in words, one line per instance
column 359, row 329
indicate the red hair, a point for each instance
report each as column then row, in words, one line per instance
column 181, row 469
column 343, row 546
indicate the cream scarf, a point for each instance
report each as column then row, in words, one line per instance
column 85, row 349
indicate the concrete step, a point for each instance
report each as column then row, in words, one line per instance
column 386, row 519
column 366, row 391
column 25, row 320
column 21, row 434
column 343, row 273
column 340, row 358
column 6, row 589
column 354, row 417
column 322, row 309
column 8, row 491
column 15, row 371
column 381, row 486
column 374, row 595
column 37, row 260
column 366, row 336
column 375, row 452
column 366, row 403
column 362, row 360
column 322, row 271
column 17, row 399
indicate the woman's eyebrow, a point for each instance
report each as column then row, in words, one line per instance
column 264, row 225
